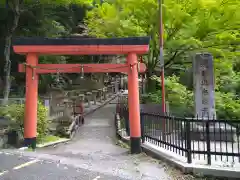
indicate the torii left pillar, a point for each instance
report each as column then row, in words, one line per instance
column 133, row 104
column 30, row 120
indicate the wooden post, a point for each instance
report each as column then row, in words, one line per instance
column 30, row 120
column 133, row 104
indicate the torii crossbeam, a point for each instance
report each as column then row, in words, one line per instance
column 33, row 47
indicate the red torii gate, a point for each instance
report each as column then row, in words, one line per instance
column 33, row 47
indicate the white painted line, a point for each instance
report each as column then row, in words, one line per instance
column 3, row 172
column 26, row 164
column 96, row 178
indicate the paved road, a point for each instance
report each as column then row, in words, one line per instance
column 92, row 155
column 16, row 167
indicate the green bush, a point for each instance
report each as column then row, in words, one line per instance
column 181, row 100
column 16, row 114
column 227, row 106
column 42, row 125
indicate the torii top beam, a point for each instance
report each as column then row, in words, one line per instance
column 81, row 46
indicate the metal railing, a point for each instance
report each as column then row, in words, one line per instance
column 192, row 140
column 196, row 138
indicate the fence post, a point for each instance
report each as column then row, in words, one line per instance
column 142, row 127
column 188, row 139
column 208, row 143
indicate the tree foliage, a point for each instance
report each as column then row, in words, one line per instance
column 190, row 26
column 34, row 18
column 180, row 99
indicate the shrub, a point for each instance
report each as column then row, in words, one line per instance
column 181, row 100
column 227, row 106
column 42, row 125
column 16, row 114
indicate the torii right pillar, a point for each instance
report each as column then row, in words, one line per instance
column 133, row 104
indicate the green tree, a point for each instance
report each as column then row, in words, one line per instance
column 181, row 100
column 190, row 26
column 11, row 11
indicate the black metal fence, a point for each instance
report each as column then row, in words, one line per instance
column 190, row 139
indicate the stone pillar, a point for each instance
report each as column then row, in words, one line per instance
column 100, row 91
column 104, row 93
column 113, row 87
column 89, row 98
column 204, row 86
column 120, row 81
column 74, row 100
column 67, row 106
column 116, row 85
column 205, row 102
column 109, row 90
column 80, row 104
column 94, row 96
column 47, row 104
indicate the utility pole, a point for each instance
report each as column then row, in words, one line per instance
column 161, row 59
column 161, row 56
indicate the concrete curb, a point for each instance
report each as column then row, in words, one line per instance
column 165, row 157
column 63, row 140
column 123, row 139
column 196, row 170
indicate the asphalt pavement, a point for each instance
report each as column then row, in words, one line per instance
column 14, row 166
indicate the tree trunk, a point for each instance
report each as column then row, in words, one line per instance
column 151, row 84
column 7, row 69
column 7, row 50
